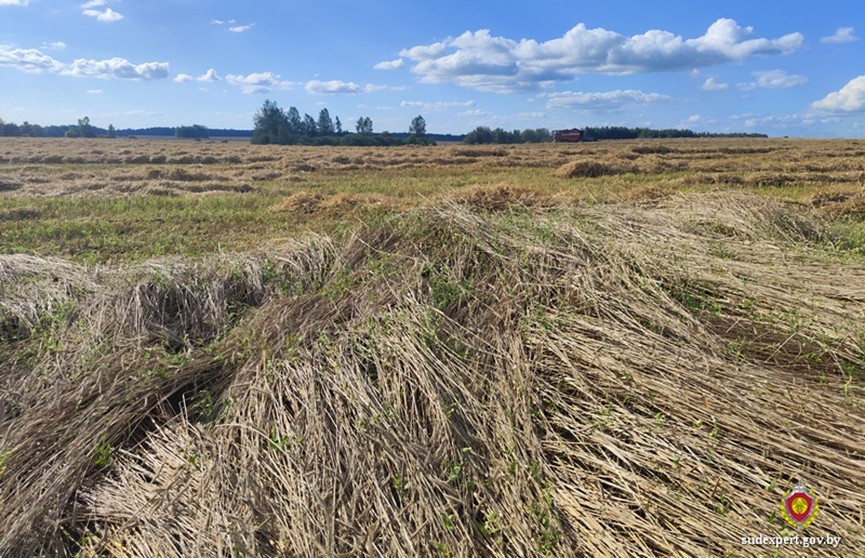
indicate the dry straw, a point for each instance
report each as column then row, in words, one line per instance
column 602, row 381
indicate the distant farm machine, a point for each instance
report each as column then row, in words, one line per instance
column 572, row 135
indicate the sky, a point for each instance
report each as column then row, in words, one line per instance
column 789, row 67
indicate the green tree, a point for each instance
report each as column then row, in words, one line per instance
column 338, row 125
column 481, row 134
column 417, row 128
column 196, row 131
column 325, row 124
column 112, row 132
column 85, row 130
column 309, row 128
column 364, row 125
column 295, row 124
column 270, row 124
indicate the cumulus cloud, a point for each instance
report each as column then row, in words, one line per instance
column 241, row 28
column 209, row 76
column 773, row 79
column 436, row 105
column 56, row 45
column 482, row 61
column 711, row 85
column 258, row 82
column 390, row 64
column 606, row 101
column 848, row 99
column 333, row 87
column 106, row 15
column 841, row 35
column 118, row 68
column 28, row 60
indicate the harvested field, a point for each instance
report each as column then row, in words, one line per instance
column 409, row 358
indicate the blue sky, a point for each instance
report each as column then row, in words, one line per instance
column 783, row 68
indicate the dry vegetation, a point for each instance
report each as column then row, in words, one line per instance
column 611, row 349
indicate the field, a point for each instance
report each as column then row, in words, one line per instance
column 600, row 349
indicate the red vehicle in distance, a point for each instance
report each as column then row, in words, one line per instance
column 572, row 135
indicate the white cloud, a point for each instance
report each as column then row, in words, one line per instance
column 28, row 60
column 241, row 28
column 333, row 87
column 56, row 45
column 209, row 76
column 607, row 101
column 530, row 115
column 94, row 91
column 117, row 68
column 223, row 21
column 258, row 82
column 841, row 35
column 475, row 113
column 482, row 61
column 848, row 99
column 436, row 105
column 108, row 15
column 14, row 2
column 711, row 85
column 773, row 79
column 694, row 118
column 93, row 4
column 390, row 64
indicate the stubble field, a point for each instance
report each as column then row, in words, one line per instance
column 601, row 349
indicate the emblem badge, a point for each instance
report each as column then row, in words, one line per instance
column 799, row 506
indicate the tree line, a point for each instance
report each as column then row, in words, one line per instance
column 81, row 130
column 84, row 129
column 623, row 132
column 273, row 125
column 484, row 134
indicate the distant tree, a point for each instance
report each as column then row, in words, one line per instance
column 338, row 126
column 530, row 136
column 72, row 132
column 270, row 122
column 196, row 131
column 112, row 133
column 8, row 129
column 325, row 124
column 295, row 124
column 481, row 134
column 417, row 128
column 364, row 125
column 309, row 128
column 85, row 130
